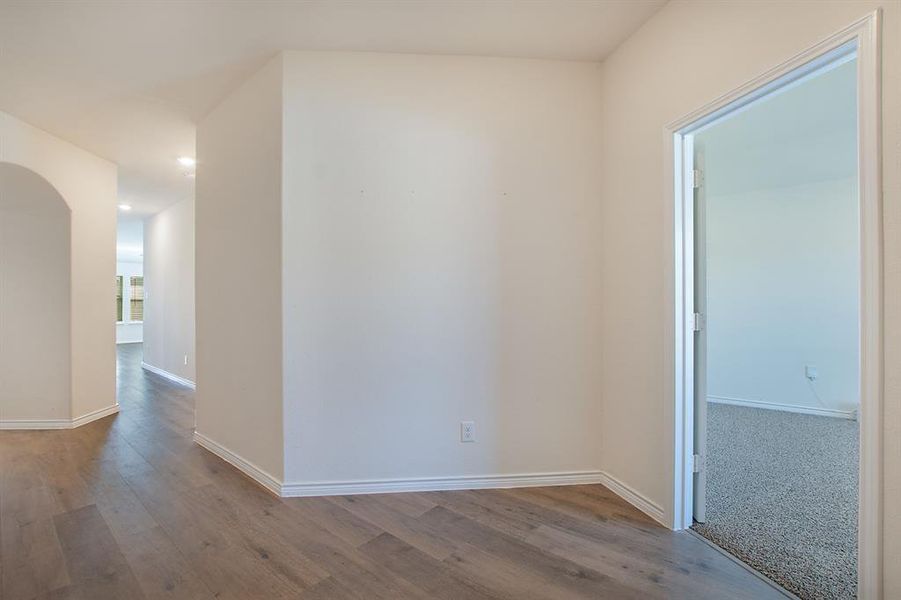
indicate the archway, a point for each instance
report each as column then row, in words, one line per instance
column 35, row 305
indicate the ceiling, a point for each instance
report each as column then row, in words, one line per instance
column 128, row 80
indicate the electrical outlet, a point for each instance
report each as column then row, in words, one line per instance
column 186, row 359
column 467, row 431
column 810, row 372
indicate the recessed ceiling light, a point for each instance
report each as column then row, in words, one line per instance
column 186, row 161
column 125, row 207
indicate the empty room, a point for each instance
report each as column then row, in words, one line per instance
column 551, row 299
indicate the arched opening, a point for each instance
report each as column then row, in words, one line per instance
column 35, row 306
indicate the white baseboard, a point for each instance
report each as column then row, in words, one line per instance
column 169, row 376
column 429, row 484
column 795, row 408
column 388, row 486
column 435, row 484
column 248, row 468
column 93, row 416
column 38, row 424
column 633, row 497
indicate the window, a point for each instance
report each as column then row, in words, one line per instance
column 119, row 299
column 137, row 298
column 129, row 298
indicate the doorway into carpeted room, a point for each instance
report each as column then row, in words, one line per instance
column 777, row 250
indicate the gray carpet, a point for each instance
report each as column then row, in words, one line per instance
column 782, row 497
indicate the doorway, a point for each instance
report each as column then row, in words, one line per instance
column 856, row 46
column 776, row 354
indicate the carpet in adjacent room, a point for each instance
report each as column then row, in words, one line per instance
column 782, row 496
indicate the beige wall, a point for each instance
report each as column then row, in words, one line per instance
column 169, row 290
column 35, row 351
column 442, row 263
column 687, row 55
column 88, row 185
column 238, row 283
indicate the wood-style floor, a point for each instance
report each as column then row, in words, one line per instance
column 128, row 507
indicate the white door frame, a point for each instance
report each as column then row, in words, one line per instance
column 864, row 34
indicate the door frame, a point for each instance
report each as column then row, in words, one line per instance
column 863, row 34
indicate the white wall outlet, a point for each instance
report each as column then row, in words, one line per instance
column 467, row 431
column 186, row 359
column 810, row 372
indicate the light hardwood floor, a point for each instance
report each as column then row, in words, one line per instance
column 128, row 507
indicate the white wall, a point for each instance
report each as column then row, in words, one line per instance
column 783, row 294
column 169, row 290
column 442, row 263
column 35, row 356
column 128, row 331
column 685, row 56
column 782, row 248
column 239, row 264
column 88, row 185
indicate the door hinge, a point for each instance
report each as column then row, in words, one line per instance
column 697, row 178
column 697, row 322
column 696, row 463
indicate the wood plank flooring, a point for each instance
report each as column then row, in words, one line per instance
column 128, row 507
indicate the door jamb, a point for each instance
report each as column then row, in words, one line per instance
column 864, row 34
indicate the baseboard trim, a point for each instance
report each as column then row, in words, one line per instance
column 633, row 497
column 795, row 408
column 390, row 486
column 45, row 424
column 93, row 416
column 35, row 424
column 169, row 376
column 437, row 484
column 248, row 468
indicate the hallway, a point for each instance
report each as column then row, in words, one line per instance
column 128, row 507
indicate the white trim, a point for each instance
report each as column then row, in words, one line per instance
column 420, row 484
column 94, row 415
column 678, row 338
column 15, row 424
column 265, row 479
column 169, row 376
column 32, row 424
column 436, row 484
column 872, row 351
column 834, row 413
column 431, row 484
column 635, row 498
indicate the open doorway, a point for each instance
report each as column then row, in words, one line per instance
column 777, row 256
column 776, row 274
column 129, row 278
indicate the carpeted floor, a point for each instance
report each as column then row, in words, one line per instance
column 782, row 496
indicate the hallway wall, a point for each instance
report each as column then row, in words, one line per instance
column 169, row 290
column 442, row 264
column 35, row 307
column 88, row 185
column 239, row 268
column 398, row 243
